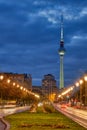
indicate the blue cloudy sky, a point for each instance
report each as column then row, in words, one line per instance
column 30, row 36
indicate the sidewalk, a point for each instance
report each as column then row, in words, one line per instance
column 4, row 112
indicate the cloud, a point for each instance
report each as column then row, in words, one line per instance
column 78, row 40
column 83, row 12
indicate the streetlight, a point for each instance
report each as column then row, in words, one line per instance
column 77, row 84
column 14, row 84
column 72, row 88
column 81, row 90
column 21, row 87
column 1, row 77
column 81, row 81
column 17, row 85
column 85, row 94
column 59, row 96
column 37, row 96
column 85, row 78
column 24, row 89
column 8, row 81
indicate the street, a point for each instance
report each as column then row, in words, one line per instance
column 77, row 115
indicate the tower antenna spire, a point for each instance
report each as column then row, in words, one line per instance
column 62, row 30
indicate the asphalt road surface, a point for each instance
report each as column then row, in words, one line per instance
column 77, row 115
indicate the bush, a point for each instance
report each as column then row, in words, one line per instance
column 49, row 108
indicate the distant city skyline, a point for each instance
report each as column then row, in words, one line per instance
column 30, row 37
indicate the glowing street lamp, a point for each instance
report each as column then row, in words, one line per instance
column 71, row 88
column 1, row 77
column 17, row 85
column 14, row 84
column 77, row 84
column 85, row 90
column 59, row 96
column 81, row 81
column 8, row 81
column 21, row 87
column 85, row 78
column 24, row 89
column 37, row 96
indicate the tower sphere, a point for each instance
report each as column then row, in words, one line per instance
column 61, row 51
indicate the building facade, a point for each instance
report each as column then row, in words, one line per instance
column 37, row 90
column 24, row 80
column 49, row 88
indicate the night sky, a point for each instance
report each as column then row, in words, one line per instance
column 30, row 37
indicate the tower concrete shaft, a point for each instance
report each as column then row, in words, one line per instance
column 61, row 52
column 61, row 73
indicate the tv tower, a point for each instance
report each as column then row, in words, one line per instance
column 61, row 52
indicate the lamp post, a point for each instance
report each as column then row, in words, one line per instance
column 81, row 88
column 1, row 78
column 76, row 93
column 85, row 94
